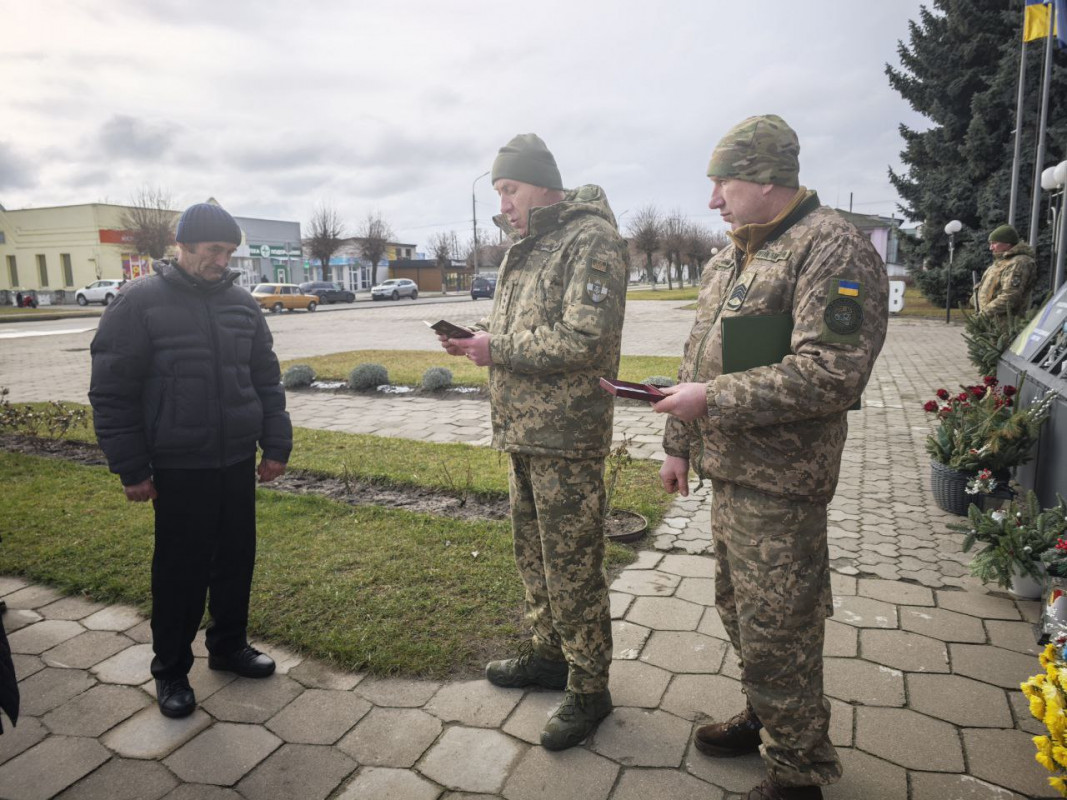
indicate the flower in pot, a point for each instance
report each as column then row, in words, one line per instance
column 1048, row 703
column 1013, row 542
column 979, row 428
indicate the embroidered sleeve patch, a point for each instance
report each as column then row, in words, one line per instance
column 598, row 265
column 596, row 291
column 843, row 316
column 848, row 288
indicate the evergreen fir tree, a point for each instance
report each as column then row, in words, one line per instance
column 960, row 69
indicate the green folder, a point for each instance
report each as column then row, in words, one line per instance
column 757, row 341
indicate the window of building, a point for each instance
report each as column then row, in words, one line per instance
column 42, row 270
column 13, row 271
column 68, row 270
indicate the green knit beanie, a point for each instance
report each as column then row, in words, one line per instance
column 761, row 149
column 1005, row 234
column 526, row 158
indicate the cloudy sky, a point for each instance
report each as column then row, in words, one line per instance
column 399, row 105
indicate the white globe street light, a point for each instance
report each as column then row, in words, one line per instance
column 952, row 228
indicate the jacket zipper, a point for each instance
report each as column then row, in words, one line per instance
column 217, row 358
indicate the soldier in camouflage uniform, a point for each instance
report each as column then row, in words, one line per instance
column 1006, row 285
column 770, row 439
column 554, row 331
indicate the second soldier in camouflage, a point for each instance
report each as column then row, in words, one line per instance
column 555, row 330
column 770, row 439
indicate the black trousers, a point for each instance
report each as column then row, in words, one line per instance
column 205, row 548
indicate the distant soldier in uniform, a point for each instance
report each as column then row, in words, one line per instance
column 1006, row 284
column 554, row 331
column 770, row 439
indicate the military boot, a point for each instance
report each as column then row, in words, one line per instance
column 528, row 669
column 576, row 718
column 769, row 790
column 737, row 736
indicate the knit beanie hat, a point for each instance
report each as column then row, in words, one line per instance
column 1005, row 234
column 761, row 149
column 207, row 222
column 526, row 158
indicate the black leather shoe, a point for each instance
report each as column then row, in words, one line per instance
column 247, row 662
column 175, row 697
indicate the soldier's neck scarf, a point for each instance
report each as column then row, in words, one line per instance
column 748, row 239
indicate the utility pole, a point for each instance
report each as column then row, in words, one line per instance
column 474, row 220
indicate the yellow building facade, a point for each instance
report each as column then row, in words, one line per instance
column 57, row 250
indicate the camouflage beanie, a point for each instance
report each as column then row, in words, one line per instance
column 526, row 158
column 760, row 149
column 1005, row 234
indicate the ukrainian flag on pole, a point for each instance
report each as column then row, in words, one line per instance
column 1039, row 15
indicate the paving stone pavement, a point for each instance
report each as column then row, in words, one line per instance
column 922, row 664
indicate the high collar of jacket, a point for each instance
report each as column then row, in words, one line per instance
column 748, row 239
column 1020, row 249
column 168, row 269
column 585, row 200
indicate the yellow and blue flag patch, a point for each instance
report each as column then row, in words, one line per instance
column 848, row 288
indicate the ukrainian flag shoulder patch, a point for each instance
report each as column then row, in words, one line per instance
column 848, row 288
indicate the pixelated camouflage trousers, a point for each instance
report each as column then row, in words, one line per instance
column 772, row 589
column 557, row 518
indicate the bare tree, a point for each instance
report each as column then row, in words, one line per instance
column 674, row 243
column 150, row 220
column 327, row 234
column 374, row 236
column 699, row 244
column 445, row 247
column 646, row 231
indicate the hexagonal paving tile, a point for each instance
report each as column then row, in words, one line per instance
column 862, row 612
column 639, row 737
column 1005, row 758
column 665, row 613
column 318, row 716
column 684, row 652
column 309, row 772
column 896, row 592
column 648, row 582
column 477, row 703
column 392, row 737
column 903, row 650
column 911, row 740
column 382, row 783
column 1003, row 668
column 694, row 697
column 959, row 700
column 575, row 773
column 635, row 683
column 223, row 754
column 641, row 784
column 471, row 759
column 983, row 606
column 862, row 682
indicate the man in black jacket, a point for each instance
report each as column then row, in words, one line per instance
column 185, row 385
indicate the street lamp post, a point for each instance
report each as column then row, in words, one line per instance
column 474, row 220
column 952, row 228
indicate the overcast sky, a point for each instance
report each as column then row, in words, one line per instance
column 398, row 105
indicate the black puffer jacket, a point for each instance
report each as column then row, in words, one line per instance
column 185, row 377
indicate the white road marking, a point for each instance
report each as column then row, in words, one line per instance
column 25, row 334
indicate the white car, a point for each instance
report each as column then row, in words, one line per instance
column 394, row 289
column 98, row 292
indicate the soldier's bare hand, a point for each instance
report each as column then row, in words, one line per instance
column 141, row 492
column 674, row 474
column 475, row 348
column 686, row 401
column 270, row 469
column 449, row 346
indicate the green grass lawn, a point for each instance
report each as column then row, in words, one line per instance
column 915, row 305
column 406, row 367
column 687, row 293
column 366, row 588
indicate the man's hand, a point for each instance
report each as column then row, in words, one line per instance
column 674, row 474
column 686, row 401
column 269, row 470
column 141, row 492
column 450, row 346
column 475, row 348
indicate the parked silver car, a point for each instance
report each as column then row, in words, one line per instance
column 394, row 289
column 98, row 292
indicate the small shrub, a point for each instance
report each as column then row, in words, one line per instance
column 298, row 376
column 367, row 376
column 436, row 378
column 659, row 380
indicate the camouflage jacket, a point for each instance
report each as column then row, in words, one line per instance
column 781, row 428
column 556, row 328
column 1006, row 285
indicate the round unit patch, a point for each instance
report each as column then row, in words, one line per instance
column 843, row 316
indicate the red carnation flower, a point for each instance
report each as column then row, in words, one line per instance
column 1009, row 402
column 978, row 391
column 942, row 394
column 1009, row 390
column 930, row 405
column 962, row 396
column 989, row 380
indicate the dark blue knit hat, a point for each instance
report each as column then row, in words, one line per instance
column 207, row 222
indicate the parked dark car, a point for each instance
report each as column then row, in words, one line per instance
column 328, row 292
column 483, row 287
